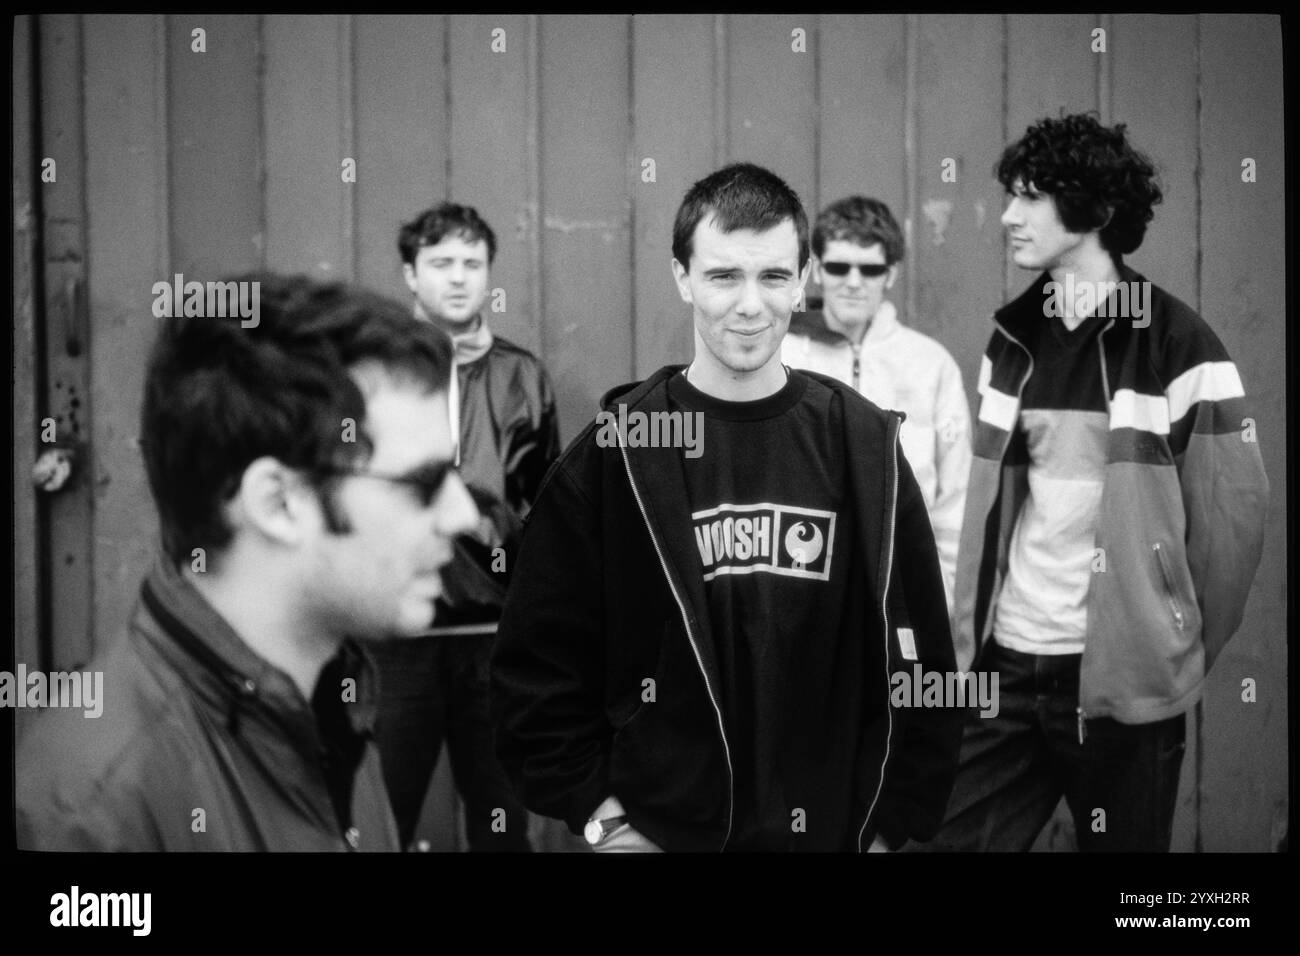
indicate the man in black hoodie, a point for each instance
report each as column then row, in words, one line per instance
column 718, row 580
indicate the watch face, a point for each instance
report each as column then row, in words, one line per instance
column 593, row 832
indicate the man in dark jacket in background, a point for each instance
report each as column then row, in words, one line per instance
column 718, row 580
column 303, row 473
column 436, row 688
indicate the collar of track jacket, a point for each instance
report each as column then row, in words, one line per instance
column 473, row 345
column 813, row 325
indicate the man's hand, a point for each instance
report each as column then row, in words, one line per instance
column 624, row 839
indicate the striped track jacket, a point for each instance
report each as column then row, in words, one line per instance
column 1182, row 510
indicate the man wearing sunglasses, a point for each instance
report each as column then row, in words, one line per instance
column 857, row 338
column 303, row 475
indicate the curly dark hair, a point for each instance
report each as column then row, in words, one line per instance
column 1095, row 177
column 861, row 220
column 443, row 221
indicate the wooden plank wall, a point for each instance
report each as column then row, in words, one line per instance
column 28, row 536
column 172, row 160
column 66, row 341
column 1241, row 271
column 127, row 226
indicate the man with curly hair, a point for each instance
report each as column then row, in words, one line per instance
column 1114, row 515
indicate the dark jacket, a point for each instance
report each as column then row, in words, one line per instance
column 509, row 436
column 609, row 590
column 202, row 745
column 1181, row 522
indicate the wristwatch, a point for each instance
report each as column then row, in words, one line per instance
column 597, row 830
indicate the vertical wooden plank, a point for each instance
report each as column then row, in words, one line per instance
column 69, row 341
column 215, row 146
column 680, row 143
column 493, row 168
column 1153, row 62
column 586, row 283
column 402, row 149
column 401, row 123
column 1050, row 68
column 1244, row 765
column 126, row 192
column 772, row 97
column 862, row 83
column 28, row 545
column 1152, row 75
column 862, row 78
column 308, row 206
column 957, row 247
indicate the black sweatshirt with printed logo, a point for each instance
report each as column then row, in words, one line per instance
column 608, row 676
column 768, row 512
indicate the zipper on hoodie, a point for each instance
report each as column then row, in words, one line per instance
column 690, row 635
column 884, row 607
column 1105, row 391
column 1169, row 588
column 857, row 366
column 1105, row 383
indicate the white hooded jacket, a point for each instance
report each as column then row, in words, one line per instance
column 900, row 368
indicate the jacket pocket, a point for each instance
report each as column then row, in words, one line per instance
column 647, row 693
column 1162, row 562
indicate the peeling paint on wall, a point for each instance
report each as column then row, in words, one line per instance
column 937, row 212
column 526, row 222
column 568, row 226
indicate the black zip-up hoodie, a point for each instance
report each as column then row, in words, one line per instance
column 608, row 590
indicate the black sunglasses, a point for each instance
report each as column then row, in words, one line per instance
column 427, row 481
column 868, row 270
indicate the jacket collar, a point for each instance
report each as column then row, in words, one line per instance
column 813, row 325
column 472, row 346
column 1018, row 317
column 226, row 675
column 661, row 484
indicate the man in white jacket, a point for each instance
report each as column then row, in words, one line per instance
column 857, row 338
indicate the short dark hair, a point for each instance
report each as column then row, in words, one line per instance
column 445, row 219
column 218, row 396
column 861, row 220
column 1095, row 177
column 740, row 196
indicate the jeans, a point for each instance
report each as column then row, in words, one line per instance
column 1121, row 783
column 433, row 689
